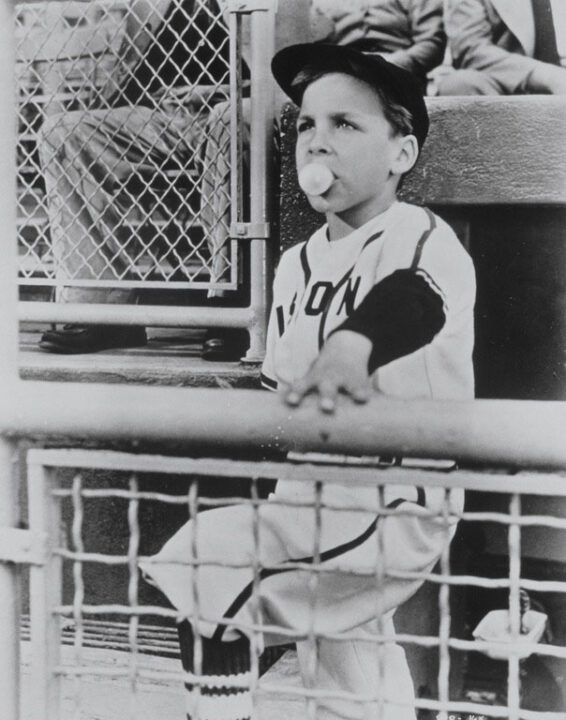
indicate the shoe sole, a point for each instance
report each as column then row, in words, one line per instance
column 66, row 350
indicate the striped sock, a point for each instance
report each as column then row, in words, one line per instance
column 224, row 683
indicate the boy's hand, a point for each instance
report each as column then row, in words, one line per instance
column 341, row 367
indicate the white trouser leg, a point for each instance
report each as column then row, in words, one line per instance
column 86, row 157
column 360, row 667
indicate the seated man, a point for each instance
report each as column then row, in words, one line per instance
column 408, row 33
column 506, row 47
column 153, row 117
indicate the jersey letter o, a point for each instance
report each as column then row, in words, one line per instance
column 320, row 295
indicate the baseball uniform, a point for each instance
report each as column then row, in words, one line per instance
column 319, row 287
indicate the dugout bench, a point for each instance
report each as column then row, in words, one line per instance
column 495, row 170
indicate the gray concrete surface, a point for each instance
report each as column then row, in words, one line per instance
column 171, row 357
column 104, row 698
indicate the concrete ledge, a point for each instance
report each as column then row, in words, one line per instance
column 171, row 357
column 480, row 151
column 486, row 151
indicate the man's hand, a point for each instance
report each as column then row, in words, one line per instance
column 341, row 367
column 196, row 100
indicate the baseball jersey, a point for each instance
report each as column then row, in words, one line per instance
column 320, row 283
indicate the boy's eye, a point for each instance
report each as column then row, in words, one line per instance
column 304, row 125
column 342, row 123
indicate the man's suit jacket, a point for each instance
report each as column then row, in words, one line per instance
column 409, row 32
column 494, row 36
column 168, row 43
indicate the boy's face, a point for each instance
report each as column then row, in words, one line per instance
column 341, row 124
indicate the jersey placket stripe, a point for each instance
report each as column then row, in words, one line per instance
column 305, row 264
column 341, row 282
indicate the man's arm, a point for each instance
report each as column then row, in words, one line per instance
column 427, row 33
column 470, row 37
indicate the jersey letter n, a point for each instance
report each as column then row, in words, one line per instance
column 322, row 293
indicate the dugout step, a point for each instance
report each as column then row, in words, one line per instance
column 171, row 357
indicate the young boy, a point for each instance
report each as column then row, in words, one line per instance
column 379, row 298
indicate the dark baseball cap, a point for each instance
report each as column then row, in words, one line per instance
column 398, row 84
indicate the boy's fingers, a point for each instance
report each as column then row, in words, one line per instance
column 327, row 404
column 328, row 393
column 292, row 398
column 296, row 392
column 360, row 394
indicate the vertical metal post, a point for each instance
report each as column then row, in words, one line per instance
column 9, row 576
column 8, row 266
column 261, row 134
column 262, row 40
column 445, row 618
column 236, row 120
column 45, row 594
column 9, row 590
column 513, row 669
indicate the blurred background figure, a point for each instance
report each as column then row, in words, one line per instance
column 506, row 47
column 173, row 66
column 408, row 33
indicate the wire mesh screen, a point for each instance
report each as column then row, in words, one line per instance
column 124, row 145
column 116, row 510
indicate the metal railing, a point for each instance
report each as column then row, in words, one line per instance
column 503, row 433
column 133, row 170
column 80, row 493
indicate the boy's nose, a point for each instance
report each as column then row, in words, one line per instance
column 319, row 142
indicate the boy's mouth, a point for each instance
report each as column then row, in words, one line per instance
column 316, row 179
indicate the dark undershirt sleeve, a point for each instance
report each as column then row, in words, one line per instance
column 400, row 314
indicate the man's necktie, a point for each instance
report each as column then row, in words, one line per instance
column 545, row 37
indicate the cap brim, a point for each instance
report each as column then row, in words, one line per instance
column 289, row 62
column 398, row 83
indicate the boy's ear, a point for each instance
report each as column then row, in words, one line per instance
column 406, row 156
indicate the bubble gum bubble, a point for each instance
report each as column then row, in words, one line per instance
column 315, row 179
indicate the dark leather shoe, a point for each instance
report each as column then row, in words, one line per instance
column 78, row 339
column 227, row 346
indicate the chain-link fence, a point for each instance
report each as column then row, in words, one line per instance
column 124, row 158
column 73, row 493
